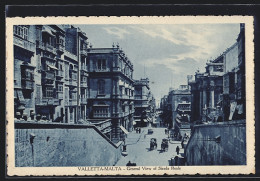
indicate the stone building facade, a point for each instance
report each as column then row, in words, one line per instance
column 24, row 68
column 180, row 106
column 47, row 68
column 59, row 77
column 142, row 102
column 207, row 90
column 111, row 91
column 219, row 93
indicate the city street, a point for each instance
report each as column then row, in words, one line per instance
column 138, row 148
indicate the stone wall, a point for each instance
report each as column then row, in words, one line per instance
column 63, row 145
column 202, row 149
column 231, row 58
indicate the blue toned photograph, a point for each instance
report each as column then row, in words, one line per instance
column 129, row 95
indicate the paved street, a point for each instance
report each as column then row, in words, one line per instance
column 138, row 148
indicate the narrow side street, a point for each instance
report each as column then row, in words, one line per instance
column 138, row 148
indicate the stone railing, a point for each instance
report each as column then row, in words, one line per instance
column 25, row 44
column 56, row 139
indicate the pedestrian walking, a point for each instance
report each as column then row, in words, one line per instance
column 182, row 144
column 177, row 150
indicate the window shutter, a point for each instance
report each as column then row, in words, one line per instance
column 66, row 95
column 66, row 71
column 38, row 94
column 38, row 62
column 38, row 34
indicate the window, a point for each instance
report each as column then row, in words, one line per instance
column 49, row 92
column 21, row 31
column 101, row 87
column 218, row 68
column 27, row 74
column 66, row 71
column 72, row 95
column 74, row 76
column 83, row 78
column 101, row 112
column 38, row 62
column 60, row 88
column 61, row 42
column 18, row 30
column 120, row 90
column 101, row 64
column 25, row 29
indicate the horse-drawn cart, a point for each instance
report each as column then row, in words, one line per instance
column 153, row 143
column 164, row 145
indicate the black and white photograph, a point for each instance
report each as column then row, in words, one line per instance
column 130, row 97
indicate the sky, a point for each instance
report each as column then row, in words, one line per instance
column 165, row 53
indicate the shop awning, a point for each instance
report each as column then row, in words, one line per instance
column 53, row 67
column 124, row 130
column 21, row 107
column 136, row 120
column 100, row 105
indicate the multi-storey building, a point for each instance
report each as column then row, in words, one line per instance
column 24, row 71
column 142, row 102
column 76, row 74
column 49, row 61
column 180, row 106
column 240, row 74
column 111, row 91
column 219, row 93
column 56, row 94
column 234, row 80
column 207, row 90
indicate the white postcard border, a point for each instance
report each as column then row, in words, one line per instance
column 70, row 171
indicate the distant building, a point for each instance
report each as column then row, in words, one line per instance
column 180, row 106
column 111, row 91
column 144, row 102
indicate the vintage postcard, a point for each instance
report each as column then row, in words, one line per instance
column 130, row 95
